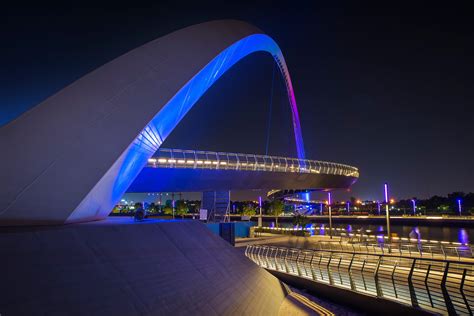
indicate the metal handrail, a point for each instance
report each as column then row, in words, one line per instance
column 434, row 285
column 378, row 244
column 179, row 158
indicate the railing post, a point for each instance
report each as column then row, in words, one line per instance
column 447, row 298
column 331, row 281
column 311, row 267
column 286, row 261
column 349, row 272
column 442, row 250
column 296, row 263
column 426, row 285
column 393, row 279
column 376, row 278
column 281, row 261
column 266, row 257
column 319, row 265
column 461, row 289
column 411, row 287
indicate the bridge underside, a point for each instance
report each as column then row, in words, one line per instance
column 196, row 180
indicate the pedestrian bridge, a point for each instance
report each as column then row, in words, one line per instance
column 195, row 170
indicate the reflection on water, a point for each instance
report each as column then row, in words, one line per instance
column 415, row 233
column 322, row 230
column 463, row 236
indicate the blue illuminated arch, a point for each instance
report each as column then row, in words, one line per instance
column 129, row 165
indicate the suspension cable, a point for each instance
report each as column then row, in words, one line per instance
column 270, row 111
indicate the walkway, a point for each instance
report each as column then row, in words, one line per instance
column 433, row 285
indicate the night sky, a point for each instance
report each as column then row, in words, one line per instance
column 387, row 89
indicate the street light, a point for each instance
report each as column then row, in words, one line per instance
column 459, row 207
column 387, row 213
column 330, row 215
column 173, row 204
column 414, row 206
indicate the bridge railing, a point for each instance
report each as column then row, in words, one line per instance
column 178, row 158
column 439, row 286
column 361, row 242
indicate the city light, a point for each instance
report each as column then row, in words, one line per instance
column 330, row 215
column 414, row 206
column 387, row 212
column 348, row 208
column 459, row 207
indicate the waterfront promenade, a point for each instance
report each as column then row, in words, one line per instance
column 425, row 284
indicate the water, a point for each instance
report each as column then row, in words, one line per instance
column 452, row 234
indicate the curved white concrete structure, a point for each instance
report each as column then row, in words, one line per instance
column 72, row 157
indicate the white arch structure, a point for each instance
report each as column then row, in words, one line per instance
column 71, row 158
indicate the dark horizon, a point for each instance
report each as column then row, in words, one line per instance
column 386, row 89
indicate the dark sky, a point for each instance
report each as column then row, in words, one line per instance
column 387, row 89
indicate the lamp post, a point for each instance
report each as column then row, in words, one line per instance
column 414, row 206
column 173, row 204
column 260, row 217
column 330, row 215
column 387, row 213
column 459, row 207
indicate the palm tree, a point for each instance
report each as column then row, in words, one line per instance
column 181, row 208
column 276, row 208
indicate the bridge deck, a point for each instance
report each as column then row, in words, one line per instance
column 193, row 171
